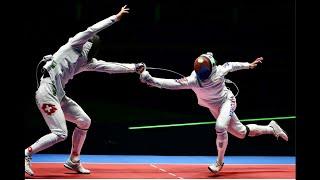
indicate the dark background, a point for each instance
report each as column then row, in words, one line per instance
column 169, row 35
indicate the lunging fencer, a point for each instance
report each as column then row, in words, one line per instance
column 207, row 80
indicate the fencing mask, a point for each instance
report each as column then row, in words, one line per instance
column 205, row 66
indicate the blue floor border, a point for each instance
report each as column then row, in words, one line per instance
column 51, row 158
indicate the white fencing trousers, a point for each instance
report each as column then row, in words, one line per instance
column 226, row 121
column 56, row 114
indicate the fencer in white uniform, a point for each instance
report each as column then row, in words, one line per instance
column 72, row 58
column 208, row 82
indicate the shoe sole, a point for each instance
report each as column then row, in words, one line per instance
column 70, row 168
column 286, row 135
column 30, row 174
column 213, row 171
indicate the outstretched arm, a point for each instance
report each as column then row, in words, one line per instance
column 173, row 84
column 82, row 37
column 235, row 66
column 113, row 67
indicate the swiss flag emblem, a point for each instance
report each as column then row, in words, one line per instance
column 48, row 108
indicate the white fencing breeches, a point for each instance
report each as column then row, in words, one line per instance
column 55, row 114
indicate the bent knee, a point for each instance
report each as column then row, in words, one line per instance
column 241, row 132
column 63, row 137
column 61, row 134
column 220, row 128
column 84, row 123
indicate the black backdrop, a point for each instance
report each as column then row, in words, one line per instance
column 168, row 34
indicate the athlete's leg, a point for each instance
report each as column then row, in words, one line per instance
column 241, row 131
column 74, row 113
column 51, row 111
column 222, row 115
